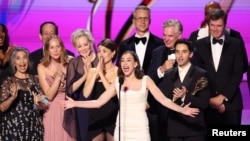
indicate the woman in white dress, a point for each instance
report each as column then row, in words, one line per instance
column 132, row 94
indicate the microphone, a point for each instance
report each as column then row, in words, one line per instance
column 121, row 81
column 125, row 89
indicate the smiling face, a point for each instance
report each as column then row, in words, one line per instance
column 2, row 35
column 47, row 31
column 170, row 36
column 21, row 62
column 128, row 64
column 182, row 54
column 216, row 28
column 55, row 49
column 83, row 46
column 141, row 21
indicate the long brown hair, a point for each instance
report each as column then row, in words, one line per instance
column 138, row 71
column 63, row 57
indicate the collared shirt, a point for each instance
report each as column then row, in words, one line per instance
column 216, row 51
column 140, row 48
column 183, row 71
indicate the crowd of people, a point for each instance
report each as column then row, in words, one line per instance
column 144, row 88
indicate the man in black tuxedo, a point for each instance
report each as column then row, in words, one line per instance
column 181, row 85
column 222, row 57
column 143, row 42
column 163, row 59
column 204, row 31
column 47, row 29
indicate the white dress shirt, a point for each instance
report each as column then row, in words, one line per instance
column 140, row 48
column 216, row 52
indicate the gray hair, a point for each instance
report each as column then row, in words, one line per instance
column 13, row 55
column 173, row 22
column 142, row 7
column 80, row 33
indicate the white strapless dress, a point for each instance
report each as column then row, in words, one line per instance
column 134, row 121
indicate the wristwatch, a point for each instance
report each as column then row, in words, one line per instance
column 225, row 100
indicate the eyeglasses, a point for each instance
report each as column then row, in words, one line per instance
column 142, row 18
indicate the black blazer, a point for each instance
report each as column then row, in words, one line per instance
column 226, row 80
column 232, row 33
column 178, row 124
column 129, row 44
column 36, row 57
column 159, row 56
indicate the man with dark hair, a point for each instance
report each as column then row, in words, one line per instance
column 180, row 85
column 222, row 56
column 204, row 31
column 163, row 59
column 47, row 29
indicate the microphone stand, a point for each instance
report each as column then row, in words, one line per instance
column 120, row 85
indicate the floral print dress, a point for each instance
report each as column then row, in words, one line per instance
column 22, row 121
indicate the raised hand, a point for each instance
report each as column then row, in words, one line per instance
column 179, row 93
column 13, row 90
column 36, row 97
column 87, row 61
column 168, row 64
column 60, row 74
column 100, row 67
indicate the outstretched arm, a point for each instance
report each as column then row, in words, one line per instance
column 104, row 98
column 158, row 95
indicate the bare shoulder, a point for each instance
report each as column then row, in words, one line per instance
column 42, row 69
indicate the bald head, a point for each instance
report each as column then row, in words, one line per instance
column 209, row 7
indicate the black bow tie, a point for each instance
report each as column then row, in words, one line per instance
column 220, row 41
column 171, row 51
column 143, row 39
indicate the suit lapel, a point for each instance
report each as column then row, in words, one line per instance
column 176, row 79
column 224, row 50
column 209, row 51
column 188, row 77
column 132, row 44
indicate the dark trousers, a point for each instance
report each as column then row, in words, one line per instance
column 213, row 117
column 195, row 138
column 153, row 126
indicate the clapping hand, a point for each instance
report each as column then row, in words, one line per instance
column 87, row 61
column 13, row 90
column 179, row 93
column 60, row 74
column 36, row 97
column 100, row 67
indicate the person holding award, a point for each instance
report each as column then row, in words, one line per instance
column 186, row 83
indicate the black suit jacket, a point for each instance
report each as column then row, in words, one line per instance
column 226, row 80
column 159, row 56
column 129, row 44
column 36, row 57
column 178, row 124
column 232, row 33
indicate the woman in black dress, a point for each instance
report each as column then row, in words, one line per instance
column 21, row 100
column 77, row 70
column 102, row 120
